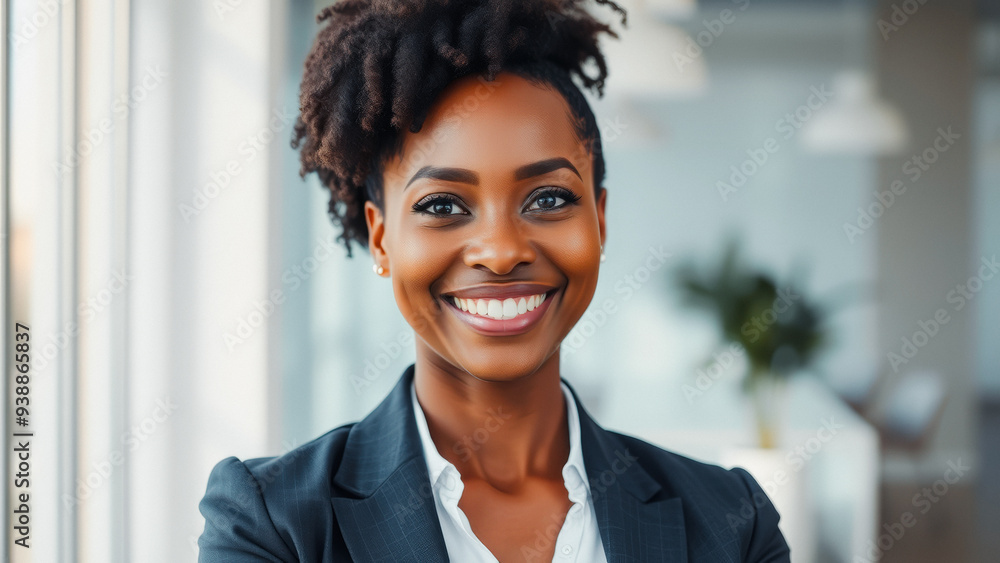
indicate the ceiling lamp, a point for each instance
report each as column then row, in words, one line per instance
column 855, row 121
column 652, row 59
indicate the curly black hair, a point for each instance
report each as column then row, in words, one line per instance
column 378, row 66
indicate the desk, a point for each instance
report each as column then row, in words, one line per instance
column 829, row 502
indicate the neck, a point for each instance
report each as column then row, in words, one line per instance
column 502, row 432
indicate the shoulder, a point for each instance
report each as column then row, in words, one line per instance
column 681, row 475
column 272, row 506
column 717, row 501
column 310, row 465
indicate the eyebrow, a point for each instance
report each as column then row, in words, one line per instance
column 467, row 176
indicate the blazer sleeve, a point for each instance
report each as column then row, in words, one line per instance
column 767, row 544
column 238, row 527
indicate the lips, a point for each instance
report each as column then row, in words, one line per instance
column 500, row 291
column 501, row 310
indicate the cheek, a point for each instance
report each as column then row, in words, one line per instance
column 580, row 263
column 418, row 263
column 578, row 256
column 580, row 252
column 577, row 249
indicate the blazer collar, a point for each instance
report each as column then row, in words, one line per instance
column 390, row 513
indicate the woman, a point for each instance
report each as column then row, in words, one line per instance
column 459, row 151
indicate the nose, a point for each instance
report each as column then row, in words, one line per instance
column 499, row 246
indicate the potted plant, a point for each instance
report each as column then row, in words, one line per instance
column 778, row 328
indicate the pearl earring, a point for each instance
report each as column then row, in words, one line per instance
column 378, row 269
column 603, row 257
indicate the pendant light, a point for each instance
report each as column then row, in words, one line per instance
column 652, row 59
column 855, row 120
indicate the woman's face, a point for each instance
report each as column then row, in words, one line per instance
column 491, row 202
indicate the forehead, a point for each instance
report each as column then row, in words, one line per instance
column 491, row 127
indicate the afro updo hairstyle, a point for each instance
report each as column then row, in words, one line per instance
column 378, row 66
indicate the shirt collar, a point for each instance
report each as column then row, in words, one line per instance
column 574, row 472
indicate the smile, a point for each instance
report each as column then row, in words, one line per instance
column 509, row 316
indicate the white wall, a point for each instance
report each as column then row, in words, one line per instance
column 199, row 270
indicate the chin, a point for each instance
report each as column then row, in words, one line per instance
column 500, row 368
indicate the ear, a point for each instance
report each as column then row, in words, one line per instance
column 601, row 199
column 376, row 233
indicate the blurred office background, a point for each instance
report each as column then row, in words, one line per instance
column 188, row 302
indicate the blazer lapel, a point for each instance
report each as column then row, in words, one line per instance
column 394, row 517
column 390, row 513
column 633, row 527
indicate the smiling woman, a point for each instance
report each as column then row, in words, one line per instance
column 458, row 150
column 494, row 213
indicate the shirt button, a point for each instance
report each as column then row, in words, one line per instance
column 567, row 549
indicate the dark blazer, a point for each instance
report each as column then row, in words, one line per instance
column 361, row 492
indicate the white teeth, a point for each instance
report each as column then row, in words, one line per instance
column 495, row 309
column 509, row 308
column 500, row 309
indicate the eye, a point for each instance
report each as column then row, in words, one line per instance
column 439, row 205
column 553, row 198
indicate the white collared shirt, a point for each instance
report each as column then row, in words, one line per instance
column 579, row 539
